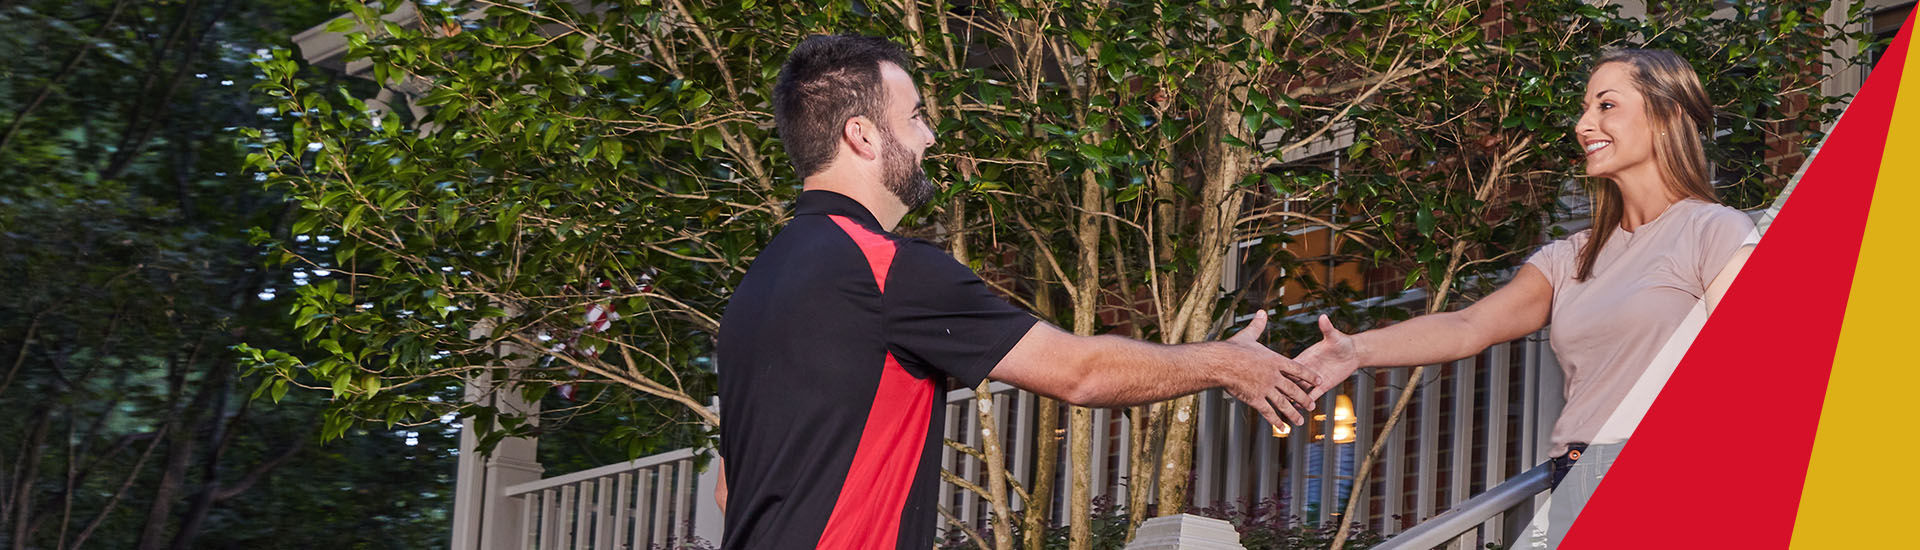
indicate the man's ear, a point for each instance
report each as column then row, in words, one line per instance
column 859, row 135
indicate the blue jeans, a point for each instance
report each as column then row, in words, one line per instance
column 1577, row 488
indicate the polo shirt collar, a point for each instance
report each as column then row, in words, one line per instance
column 819, row 201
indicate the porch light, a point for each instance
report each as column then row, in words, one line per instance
column 1343, row 419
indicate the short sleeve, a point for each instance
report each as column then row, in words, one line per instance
column 1722, row 231
column 940, row 315
column 1557, row 260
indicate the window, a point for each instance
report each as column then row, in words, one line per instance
column 1885, row 25
column 1257, row 264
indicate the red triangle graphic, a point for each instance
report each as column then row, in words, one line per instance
column 1723, row 453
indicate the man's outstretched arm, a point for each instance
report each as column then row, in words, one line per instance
column 1112, row 371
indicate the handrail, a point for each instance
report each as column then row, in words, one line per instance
column 610, row 469
column 1467, row 515
column 958, row 395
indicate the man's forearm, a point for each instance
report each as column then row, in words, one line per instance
column 1122, row 372
column 1110, row 371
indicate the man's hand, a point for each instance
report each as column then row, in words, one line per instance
column 1333, row 359
column 1270, row 383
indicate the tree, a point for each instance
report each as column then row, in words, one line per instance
column 127, row 274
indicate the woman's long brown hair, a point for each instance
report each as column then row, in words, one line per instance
column 1679, row 115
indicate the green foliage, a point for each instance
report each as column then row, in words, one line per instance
column 125, row 274
column 546, row 178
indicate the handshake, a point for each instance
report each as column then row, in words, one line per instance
column 1283, row 389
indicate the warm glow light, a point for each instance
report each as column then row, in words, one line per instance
column 1343, row 422
column 1342, row 434
column 1343, row 419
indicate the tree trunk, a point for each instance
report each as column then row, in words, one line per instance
column 1086, row 303
column 1220, row 210
column 996, row 463
column 29, row 468
column 203, row 497
column 1046, row 462
column 173, row 475
column 1148, row 422
column 180, row 447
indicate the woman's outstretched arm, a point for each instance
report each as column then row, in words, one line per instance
column 1516, row 309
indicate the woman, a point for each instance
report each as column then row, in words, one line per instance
column 1659, row 246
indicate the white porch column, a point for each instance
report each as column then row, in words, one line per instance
column 483, row 517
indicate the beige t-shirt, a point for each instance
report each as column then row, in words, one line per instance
column 1607, row 329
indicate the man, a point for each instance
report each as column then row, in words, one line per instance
column 836, row 347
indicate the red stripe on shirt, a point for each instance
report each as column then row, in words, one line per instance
column 878, row 248
column 867, row 513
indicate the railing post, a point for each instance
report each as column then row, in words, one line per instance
column 484, row 518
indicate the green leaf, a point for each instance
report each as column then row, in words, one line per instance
column 352, row 221
column 697, row 100
column 613, row 152
column 553, row 131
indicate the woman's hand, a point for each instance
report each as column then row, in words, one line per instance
column 1333, row 359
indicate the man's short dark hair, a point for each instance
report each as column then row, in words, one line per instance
column 827, row 80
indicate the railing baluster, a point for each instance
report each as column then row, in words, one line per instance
column 562, row 517
column 549, row 530
column 1396, row 453
column 662, row 499
column 1329, row 459
column 602, row 508
column 622, row 500
column 1297, row 474
column 970, row 467
column 1363, row 432
column 1233, row 490
column 1123, row 478
column 1098, row 452
column 643, row 509
column 1023, row 438
column 1429, row 441
column 528, row 505
column 684, row 519
column 1266, row 460
column 1461, row 482
column 583, row 517
column 1498, row 376
column 949, row 461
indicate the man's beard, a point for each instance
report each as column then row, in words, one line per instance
column 903, row 174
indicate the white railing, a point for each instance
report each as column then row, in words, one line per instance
column 645, row 503
column 1473, row 423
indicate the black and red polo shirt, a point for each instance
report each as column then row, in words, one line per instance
column 834, row 357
